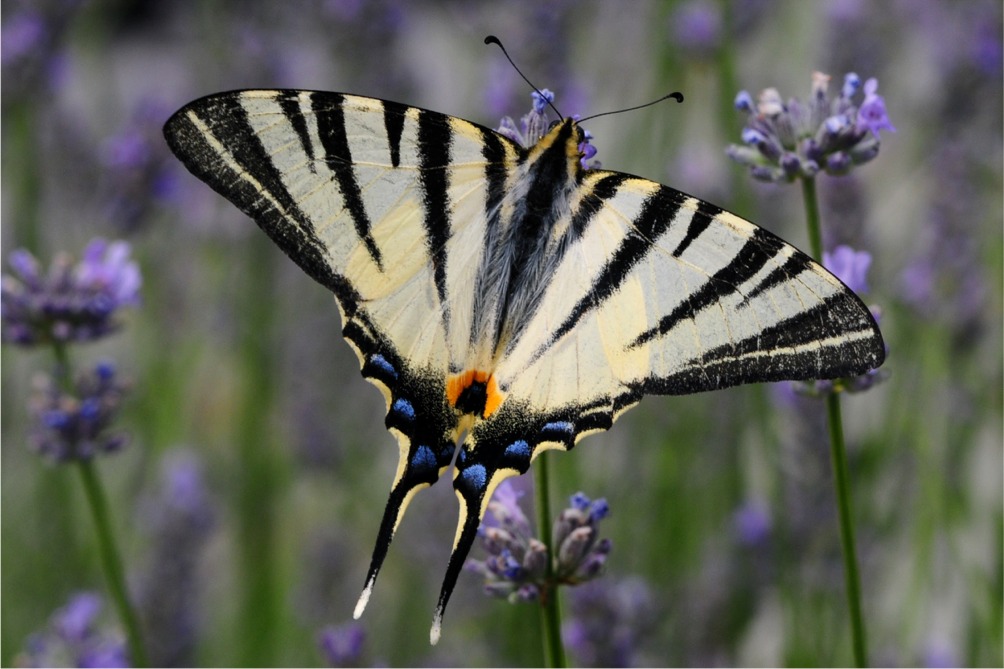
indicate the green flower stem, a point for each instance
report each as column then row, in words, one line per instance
column 111, row 563
column 838, row 457
column 260, row 616
column 550, row 605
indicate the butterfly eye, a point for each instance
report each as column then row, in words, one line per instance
column 553, row 124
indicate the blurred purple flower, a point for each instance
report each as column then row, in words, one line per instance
column 516, row 567
column 71, row 302
column 73, row 622
column 75, row 425
column 180, row 519
column 849, row 266
column 139, row 173
column 607, row 621
column 21, row 34
column 940, row 654
column 31, row 43
column 697, row 26
column 783, row 141
column 752, row 523
column 73, row 639
column 945, row 278
column 342, row 646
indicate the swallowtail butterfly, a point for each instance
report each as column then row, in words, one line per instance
column 506, row 295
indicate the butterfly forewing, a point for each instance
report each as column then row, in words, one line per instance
column 506, row 293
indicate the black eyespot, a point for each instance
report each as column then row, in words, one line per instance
column 580, row 134
column 553, row 124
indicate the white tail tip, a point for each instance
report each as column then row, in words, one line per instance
column 364, row 599
column 436, row 630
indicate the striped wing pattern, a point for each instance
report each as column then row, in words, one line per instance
column 504, row 293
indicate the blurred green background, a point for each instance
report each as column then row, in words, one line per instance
column 726, row 547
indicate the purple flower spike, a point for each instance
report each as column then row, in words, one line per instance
column 516, row 566
column 796, row 139
column 535, row 124
column 77, row 425
column 73, row 638
column 71, row 302
column 342, row 646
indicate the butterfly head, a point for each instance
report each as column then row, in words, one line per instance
column 565, row 140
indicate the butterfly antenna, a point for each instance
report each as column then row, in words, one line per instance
column 491, row 39
column 676, row 95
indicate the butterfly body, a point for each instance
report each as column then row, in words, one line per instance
column 505, row 295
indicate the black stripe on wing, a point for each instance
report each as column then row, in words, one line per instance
column 434, row 140
column 329, row 113
column 393, row 121
column 290, row 106
column 272, row 207
column 758, row 250
column 657, row 213
column 791, row 350
column 702, row 218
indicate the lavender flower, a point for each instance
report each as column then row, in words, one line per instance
column 343, row 645
column 180, row 519
column 752, row 523
column 139, row 172
column 74, row 425
column 849, row 266
column 535, row 125
column 73, row 639
column 785, row 141
column 607, row 623
column 517, row 564
column 32, row 37
column 71, row 302
column 697, row 27
column 580, row 556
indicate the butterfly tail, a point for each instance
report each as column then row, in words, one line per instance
column 419, row 467
column 467, row 531
column 474, row 484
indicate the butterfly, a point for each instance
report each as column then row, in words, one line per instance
column 504, row 299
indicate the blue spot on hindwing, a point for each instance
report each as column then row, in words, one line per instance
column 423, row 459
column 559, row 426
column 403, row 408
column 379, row 361
column 518, row 449
column 475, row 476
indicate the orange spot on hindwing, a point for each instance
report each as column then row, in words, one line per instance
column 474, row 392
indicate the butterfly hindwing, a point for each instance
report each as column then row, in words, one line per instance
column 504, row 295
